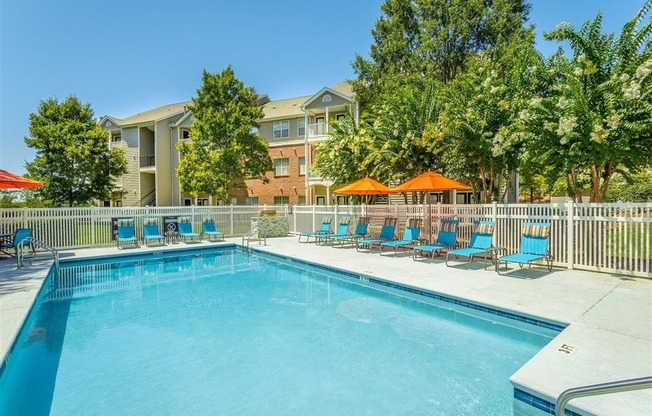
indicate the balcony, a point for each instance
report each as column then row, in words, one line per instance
column 318, row 130
column 147, row 163
column 315, row 179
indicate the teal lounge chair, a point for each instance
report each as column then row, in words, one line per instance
column 208, row 228
column 480, row 243
column 410, row 237
column 126, row 232
column 342, row 230
column 446, row 238
column 151, row 231
column 323, row 229
column 534, row 246
column 185, row 229
column 360, row 233
column 386, row 234
column 19, row 235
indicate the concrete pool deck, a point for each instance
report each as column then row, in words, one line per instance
column 609, row 317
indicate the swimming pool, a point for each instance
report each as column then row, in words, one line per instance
column 221, row 331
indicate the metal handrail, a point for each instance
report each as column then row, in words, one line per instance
column 599, row 389
column 34, row 243
column 252, row 235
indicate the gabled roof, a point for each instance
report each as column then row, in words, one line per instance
column 284, row 108
column 150, row 116
column 322, row 92
column 344, row 88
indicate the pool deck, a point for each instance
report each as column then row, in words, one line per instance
column 609, row 317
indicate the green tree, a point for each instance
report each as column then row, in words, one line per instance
column 596, row 118
column 225, row 150
column 415, row 40
column 480, row 126
column 631, row 188
column 73, row 159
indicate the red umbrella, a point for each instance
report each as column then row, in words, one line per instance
column 10, row 181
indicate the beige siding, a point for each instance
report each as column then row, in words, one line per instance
column 266, row 131
column 335, row 100
column 164, row 166
column 131, row 180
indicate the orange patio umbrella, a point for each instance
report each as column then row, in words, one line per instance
column 431, row 182
column 365, row 186
column 10, row 181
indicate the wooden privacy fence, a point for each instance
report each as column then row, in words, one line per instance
column 614, row 238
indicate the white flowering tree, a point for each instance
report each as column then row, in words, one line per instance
column 480, row 126
column 596, row 116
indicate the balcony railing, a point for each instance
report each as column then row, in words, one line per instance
column 147, row 161
column 318, row 129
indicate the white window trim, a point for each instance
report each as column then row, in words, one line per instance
column 304, row 165
column 281, row 130
column 301, row 120
column 287, row 167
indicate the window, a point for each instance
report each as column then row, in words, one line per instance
column 281, row 167
column 302, row 200
column 187, row 202
column 116, row 138
column 251, row 200
column 202, row 202
column 281, row 200
column 281, row 129
column 301, row 127
column 302, row 166
column 340, row 117
column 185, row 134
column 118, row 203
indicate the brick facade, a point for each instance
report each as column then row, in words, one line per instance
column 292, row 186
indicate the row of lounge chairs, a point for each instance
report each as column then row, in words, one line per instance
column 534, row 240
column 151, row 232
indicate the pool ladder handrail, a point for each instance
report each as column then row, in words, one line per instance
column 253, row 234
column 35, row 243
column 599, row 389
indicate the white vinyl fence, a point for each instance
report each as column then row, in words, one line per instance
column 614, row 238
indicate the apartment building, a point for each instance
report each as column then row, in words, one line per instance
column 292, row 127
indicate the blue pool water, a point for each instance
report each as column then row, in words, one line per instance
column 224, row 332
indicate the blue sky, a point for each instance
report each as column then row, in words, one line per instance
column 127, row 56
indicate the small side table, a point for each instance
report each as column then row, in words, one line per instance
column 495, row 253
column 171, row 237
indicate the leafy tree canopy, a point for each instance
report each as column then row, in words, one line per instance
column 225, row 149
column 596, row 117
column 416, row 40
column 73, row 159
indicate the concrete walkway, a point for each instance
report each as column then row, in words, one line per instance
column 609, row 317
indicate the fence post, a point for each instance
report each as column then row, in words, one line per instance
column 231, row 220
column 570, row 234
column 25, row 214
column 92, row 225
column 314, row 215
column 294, row 218
column 337, row 221
column 494, row 218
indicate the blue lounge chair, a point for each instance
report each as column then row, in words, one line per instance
column 386, row 234
column 534, row 246
column 185, row 229
column 360, row 233
column 151, row 231
column 410, row 237
column 323, row 229
column 446, row 238
column 19, row 235
column 480, row 243
column 342, row 230
column 208, row 228
column 126, row 232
